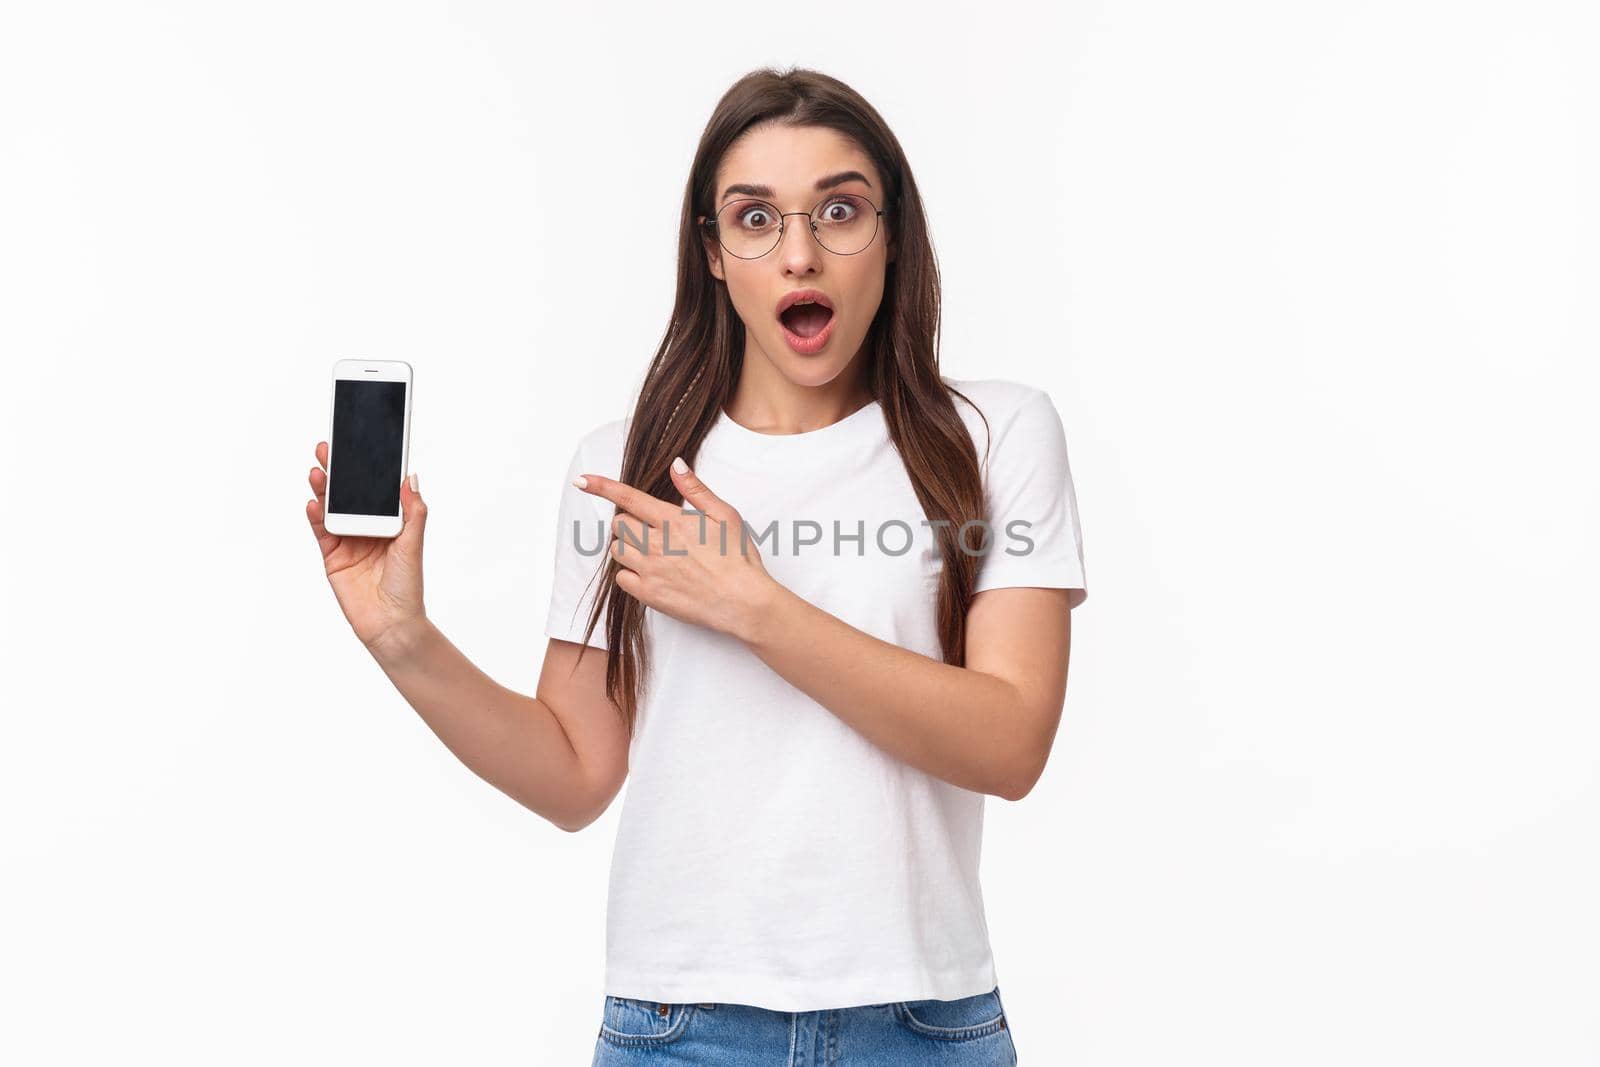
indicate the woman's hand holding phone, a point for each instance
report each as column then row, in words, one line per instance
column 377, row 580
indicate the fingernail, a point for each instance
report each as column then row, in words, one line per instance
column 414, row 488
column 581, row 482
column 680, row 466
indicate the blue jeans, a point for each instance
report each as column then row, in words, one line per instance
column 970, row 1032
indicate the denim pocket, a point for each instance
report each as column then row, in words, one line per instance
column 643, row 1022
column 954, row 1020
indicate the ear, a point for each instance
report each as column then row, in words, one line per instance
column 713, row 249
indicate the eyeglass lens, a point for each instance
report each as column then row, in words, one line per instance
column 844, row 224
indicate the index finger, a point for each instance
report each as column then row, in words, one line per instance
column 635, row 502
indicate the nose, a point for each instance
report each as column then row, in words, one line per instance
column 797, row 245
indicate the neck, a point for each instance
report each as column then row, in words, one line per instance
column 767, row 402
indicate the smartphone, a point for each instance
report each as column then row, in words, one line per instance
column 369, row 435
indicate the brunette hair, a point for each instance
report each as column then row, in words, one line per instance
column 697, row 365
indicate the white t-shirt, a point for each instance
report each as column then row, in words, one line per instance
column 767, row 853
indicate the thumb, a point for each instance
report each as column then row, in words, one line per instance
column 698, row 496
column 415, row 513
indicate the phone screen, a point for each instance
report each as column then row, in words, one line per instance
column 368, row 442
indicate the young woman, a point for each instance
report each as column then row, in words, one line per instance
column 835, row 594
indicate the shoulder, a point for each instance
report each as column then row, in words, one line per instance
column 998, row 394
column 993, row 405
column 599, row 451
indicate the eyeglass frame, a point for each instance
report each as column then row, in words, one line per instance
column 710, row 224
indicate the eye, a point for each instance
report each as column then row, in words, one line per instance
column 754, row 217
column 842, row 209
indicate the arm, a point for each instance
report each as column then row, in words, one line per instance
column 987, row 726
column 562, row 754
column 990, row 724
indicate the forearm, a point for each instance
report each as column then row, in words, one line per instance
column 957, row 724
column 514, row 742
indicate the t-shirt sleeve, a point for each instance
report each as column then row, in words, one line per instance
column 582, row 534
column 1033, row 507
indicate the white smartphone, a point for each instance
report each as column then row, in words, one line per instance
column 369, row 436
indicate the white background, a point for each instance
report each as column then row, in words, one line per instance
column 1313, row 286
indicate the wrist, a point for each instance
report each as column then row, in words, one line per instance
column 398, row 642
column 760, row 611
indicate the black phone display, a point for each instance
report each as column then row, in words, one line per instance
column 367, row 450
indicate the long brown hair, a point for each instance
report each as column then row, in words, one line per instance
column 697, row 365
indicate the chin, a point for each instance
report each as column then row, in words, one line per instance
column 816, row 370
column 813, row 371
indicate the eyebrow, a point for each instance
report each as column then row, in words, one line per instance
column 822, row 185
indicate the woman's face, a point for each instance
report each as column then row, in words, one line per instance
column 796, row 169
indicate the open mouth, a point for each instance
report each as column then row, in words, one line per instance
column 806, row 320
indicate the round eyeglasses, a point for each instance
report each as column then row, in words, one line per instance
column 843, row 223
